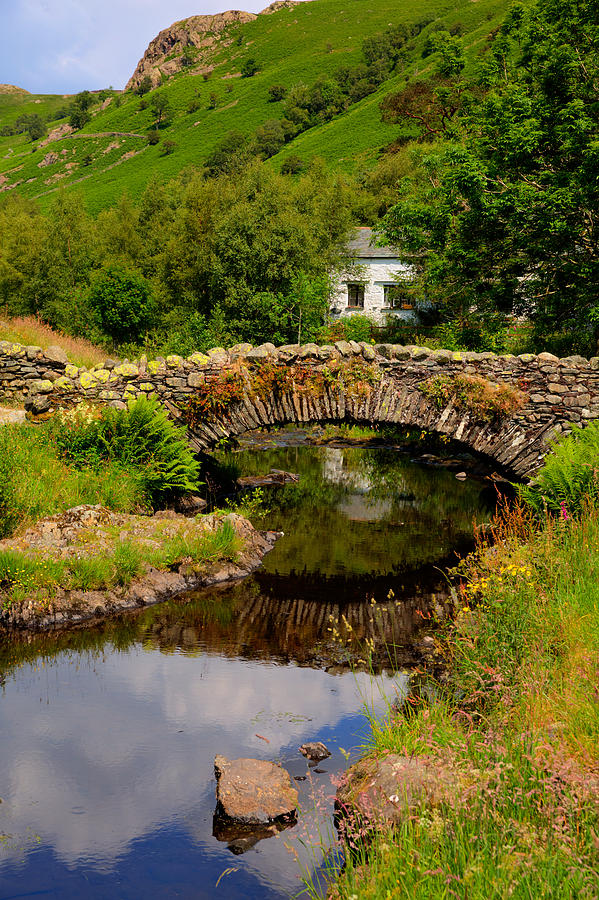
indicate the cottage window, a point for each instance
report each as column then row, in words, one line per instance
column 355, row 296
column 398, row 295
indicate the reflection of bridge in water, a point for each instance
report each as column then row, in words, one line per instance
column 264, row 618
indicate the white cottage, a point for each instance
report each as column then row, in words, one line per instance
column 377, row 284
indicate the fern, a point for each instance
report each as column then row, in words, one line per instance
column 569, row 480
column 142, row 438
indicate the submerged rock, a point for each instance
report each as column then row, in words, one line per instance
column 253, row 791
column 315, row 751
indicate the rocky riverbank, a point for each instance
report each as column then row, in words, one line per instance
column 88, row 563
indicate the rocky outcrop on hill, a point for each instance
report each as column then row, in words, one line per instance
column 279, row 4
column 12, row 89
column 201, row 32
column 164, row 56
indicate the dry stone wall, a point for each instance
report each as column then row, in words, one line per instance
column 559, row 392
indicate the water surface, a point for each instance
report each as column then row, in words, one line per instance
column 108, row 735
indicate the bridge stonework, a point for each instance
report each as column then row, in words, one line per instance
column 386, row 389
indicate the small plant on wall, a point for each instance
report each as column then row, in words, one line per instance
column 214, row 399
column 485, row 401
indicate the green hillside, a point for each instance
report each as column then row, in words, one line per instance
column 111, row 154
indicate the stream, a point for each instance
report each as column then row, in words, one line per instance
column 108, row 734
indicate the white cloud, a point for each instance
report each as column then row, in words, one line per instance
column 96, row 757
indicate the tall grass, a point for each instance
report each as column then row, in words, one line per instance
column 31, row 331
column 518, row 725
column 36, row 482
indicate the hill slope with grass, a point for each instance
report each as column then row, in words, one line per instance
column 224, row 86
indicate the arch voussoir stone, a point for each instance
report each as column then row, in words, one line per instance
column 348, row 382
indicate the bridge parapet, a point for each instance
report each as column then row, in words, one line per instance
column 225, row 392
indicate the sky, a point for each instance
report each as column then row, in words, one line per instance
column 66, row 46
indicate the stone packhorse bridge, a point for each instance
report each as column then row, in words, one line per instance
column 506, row 408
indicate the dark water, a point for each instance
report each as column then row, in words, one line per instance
column 108, row 736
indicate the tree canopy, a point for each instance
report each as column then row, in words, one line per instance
column 505, row 208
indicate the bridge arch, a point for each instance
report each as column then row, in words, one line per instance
column 224, row 393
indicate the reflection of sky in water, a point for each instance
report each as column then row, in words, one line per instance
column 106, row 760
column 107, row 768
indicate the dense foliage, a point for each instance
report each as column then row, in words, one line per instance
column 569, row 479
column 141, row 438
column 505, row 207
column 199, row 262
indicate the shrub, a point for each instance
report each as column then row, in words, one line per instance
column 144, row 86
column 293, row 165
column 124, row 302
column 485, row 401
column 352, row 328
column 569, row 480
column 168, row 147
column 249, row 67
column 276, row 92
column 141, row 437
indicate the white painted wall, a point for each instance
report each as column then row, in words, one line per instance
column 374, row 274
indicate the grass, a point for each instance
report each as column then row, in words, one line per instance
column 24, row 577
column 30, row 331
column 291, row 46
column 47, row 485
column 519, row 722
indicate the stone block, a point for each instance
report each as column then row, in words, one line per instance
column 308, row 351
column 174, row 362
column 126, row 371
column 574, row 361
column 198, row 359
column 33, row 351
column 195, row 379
column 56, row 355
column 344, row 348
column 257, row 354
column 42, row 386
column 87, row 380
column 419, row 353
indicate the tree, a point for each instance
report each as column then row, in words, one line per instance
column 508, row 215
column 230, row 155
column 144, row 86
column 79, row 115
column 168, row 147
column 249, row 67
column 189, row 55
column 161, row 108
column 276, row 92
column 292, row 165
column 269, row 138
column 124, row 302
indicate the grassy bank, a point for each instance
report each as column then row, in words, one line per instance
column 520, row 724
column 125, row 552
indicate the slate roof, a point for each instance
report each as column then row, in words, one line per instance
column 363, row 246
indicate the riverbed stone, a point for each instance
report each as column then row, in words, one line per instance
column 315, row 751
column 253, row 791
